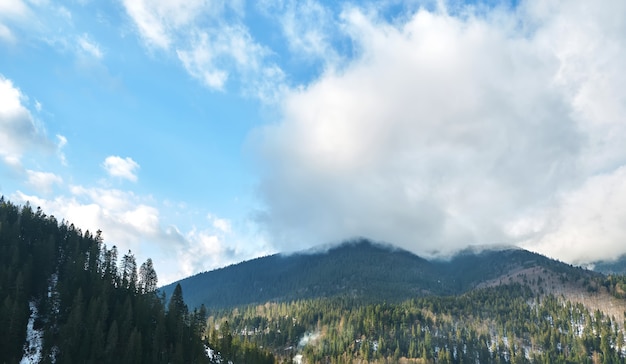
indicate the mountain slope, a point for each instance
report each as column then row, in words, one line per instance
column 360, row 270
column 617, row 266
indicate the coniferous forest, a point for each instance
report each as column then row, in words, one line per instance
column 65, row 297
column 81, row 302
column 505, row 324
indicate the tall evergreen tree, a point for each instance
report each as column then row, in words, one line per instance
column 147, row 277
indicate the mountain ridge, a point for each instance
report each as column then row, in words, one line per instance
column 362, row 270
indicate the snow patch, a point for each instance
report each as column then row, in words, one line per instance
column 34, row 338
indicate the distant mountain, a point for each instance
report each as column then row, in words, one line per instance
column 365, row 272
column 617, row 266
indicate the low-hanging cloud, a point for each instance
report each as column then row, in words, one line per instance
column 452, row 129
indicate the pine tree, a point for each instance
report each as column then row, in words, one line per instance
column 147, row 277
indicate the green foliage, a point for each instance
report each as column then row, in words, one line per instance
column 88, row 309
column 506, row 324
column 229, row 348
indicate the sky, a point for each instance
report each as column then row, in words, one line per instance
column 201, row 133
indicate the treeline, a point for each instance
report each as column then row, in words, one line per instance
column 506, row 324
column 83, row 303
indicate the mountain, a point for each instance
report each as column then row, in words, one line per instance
column 617, row 266
column 362, row 302
column 363, row 271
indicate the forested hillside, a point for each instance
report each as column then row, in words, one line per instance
column 504, row 324
column 68, row 298
column 65, row 297
column 368, row 272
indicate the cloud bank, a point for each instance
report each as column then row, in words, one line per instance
column 456, row 127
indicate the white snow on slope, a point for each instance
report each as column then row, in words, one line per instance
column 34, row 338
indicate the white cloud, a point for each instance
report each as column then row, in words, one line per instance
column 89, row 46
column 125, row 168
column 222, row 225
column 13, row 9
column 308, row 26
column 42, row 181
column 210, row 40
column 589, row 224
column 199, row 62
column 6, row 34
column 40, row 20
column 212, row 55
column 162, row 23
column 454, row 130
column 159, row 21
column 134, row 222
column 61, row 143
column 18, row 131
column 208, row 250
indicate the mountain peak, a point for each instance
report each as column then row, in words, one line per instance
column 360, row 269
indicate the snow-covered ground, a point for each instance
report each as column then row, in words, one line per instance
column 34, row 338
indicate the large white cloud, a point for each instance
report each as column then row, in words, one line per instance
column 455, row 129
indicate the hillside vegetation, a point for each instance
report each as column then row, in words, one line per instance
column 502, row 324
column 362, row 302
column 66, row 298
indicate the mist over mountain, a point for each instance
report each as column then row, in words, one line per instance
column 360, row 270
column 617, row 266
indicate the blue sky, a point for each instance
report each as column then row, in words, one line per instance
column 201, row 133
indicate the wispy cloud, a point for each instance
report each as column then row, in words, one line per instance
column 61, row 143
column 211, row 41
column 162, row 23
column 6, row 34
column 309, row 28
column 89, row 47
column 125, row 168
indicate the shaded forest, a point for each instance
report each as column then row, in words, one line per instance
column 65, row 297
